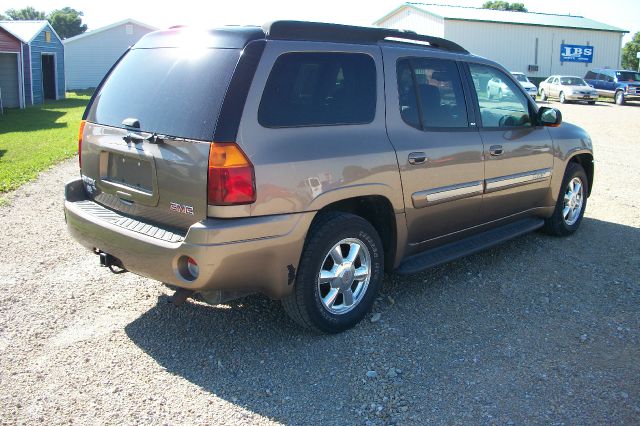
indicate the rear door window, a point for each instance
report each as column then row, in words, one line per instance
column 511, row 109
column 430, row 93
column 170, row 91
column 319, row 89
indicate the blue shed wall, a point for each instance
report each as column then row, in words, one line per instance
column 38, row 47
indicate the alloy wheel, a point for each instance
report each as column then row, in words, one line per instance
column 573, row 201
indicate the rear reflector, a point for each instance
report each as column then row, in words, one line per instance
column 80, row 136
column 231, row 176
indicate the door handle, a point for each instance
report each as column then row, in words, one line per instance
column 496, row 150
column 417, row 158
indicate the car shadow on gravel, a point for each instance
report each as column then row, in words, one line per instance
column 519, row 332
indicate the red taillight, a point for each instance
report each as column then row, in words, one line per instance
column 231, row 176
column 80, row 134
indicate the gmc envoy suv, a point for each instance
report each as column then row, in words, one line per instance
column 303, row 160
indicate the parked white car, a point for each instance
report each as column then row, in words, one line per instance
column 566, row 89
column 531, row 89
column 496, row 88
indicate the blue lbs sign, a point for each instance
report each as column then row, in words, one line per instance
column 574, row 53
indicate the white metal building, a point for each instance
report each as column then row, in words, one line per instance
column 89, row 56
column 537, row 44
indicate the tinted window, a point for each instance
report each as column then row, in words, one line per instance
column 430, row 93
column 510, row 109
column 171, row 91
column 316, row 89
column 628, row 76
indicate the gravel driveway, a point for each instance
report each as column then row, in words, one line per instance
column 538, row 330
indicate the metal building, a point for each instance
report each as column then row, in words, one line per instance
column 40, row 73
column 89, row 56
column 537, row 44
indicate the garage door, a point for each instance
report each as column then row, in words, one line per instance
column 9, row 80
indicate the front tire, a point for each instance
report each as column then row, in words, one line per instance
column 563, row 100
column 571, row 203
column 339, row 276
column 543, row 96
column 619, row 98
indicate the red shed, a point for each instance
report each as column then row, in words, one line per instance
column 11, row 70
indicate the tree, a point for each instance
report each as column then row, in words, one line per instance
column 67, row 22
column 25, row 14
column 503, row 5
column 629, row 52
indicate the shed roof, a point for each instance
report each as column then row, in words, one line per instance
column 463, row 13
column 26, row 31
column 108, row 27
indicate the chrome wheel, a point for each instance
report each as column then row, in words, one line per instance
column 573, row 201
column 344, row 276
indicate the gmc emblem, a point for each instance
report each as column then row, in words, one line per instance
column 181, row 208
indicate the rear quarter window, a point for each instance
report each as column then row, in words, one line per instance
column 319, row 89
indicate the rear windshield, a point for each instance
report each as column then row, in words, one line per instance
column 170, row 91
column 572, row 81
column 521, row 77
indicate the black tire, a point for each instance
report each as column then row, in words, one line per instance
column 619, row 98
column 556, row 224
column 304, row 304
column 591, row 102
column 543, row 96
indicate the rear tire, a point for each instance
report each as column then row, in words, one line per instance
column 571, row 204
column 335, row 288
column 619, row 98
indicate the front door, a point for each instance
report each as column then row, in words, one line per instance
column 438, row 147
column 518, row 153
column 49, row 76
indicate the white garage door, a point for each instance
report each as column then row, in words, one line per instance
column 9, row 80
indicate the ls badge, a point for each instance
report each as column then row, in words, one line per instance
column 181, row 208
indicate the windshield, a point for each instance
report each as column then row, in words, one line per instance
column 572, row 81
column 521, row 77
column 170, row 91
column 628, row 76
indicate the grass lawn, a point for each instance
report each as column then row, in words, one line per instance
column 35, row 138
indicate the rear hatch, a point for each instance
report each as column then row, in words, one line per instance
column 146, row 141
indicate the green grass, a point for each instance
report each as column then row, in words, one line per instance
column 35, row 138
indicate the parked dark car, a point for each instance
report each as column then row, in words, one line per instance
column 621, row 85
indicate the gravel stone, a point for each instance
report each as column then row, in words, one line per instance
column 81, row 345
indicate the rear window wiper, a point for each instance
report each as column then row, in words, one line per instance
column 133, row 136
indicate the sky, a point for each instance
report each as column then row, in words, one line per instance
column 162, row 14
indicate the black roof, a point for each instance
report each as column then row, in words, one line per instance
column 237, row 37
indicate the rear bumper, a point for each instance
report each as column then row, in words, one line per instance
column 579, row 97
column 247, row 254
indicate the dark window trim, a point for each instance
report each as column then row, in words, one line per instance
column 423, row 128
column 533, row 111
column 294, row 52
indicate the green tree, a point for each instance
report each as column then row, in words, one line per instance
column 25, row 14
column 629, row 53
column 503, row 5
column 67, row 22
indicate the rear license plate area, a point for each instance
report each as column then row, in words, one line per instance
column 130, row 171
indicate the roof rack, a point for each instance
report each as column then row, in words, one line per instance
column 318, row 31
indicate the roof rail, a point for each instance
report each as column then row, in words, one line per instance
column 318, row 31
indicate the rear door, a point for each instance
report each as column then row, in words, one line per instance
column 518, row 155
column 438, row 147
column 147, row 138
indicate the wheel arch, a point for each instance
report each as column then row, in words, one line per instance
column 586, row 161
column 379, row 212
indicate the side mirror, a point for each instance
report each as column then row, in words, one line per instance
column 549, row 117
